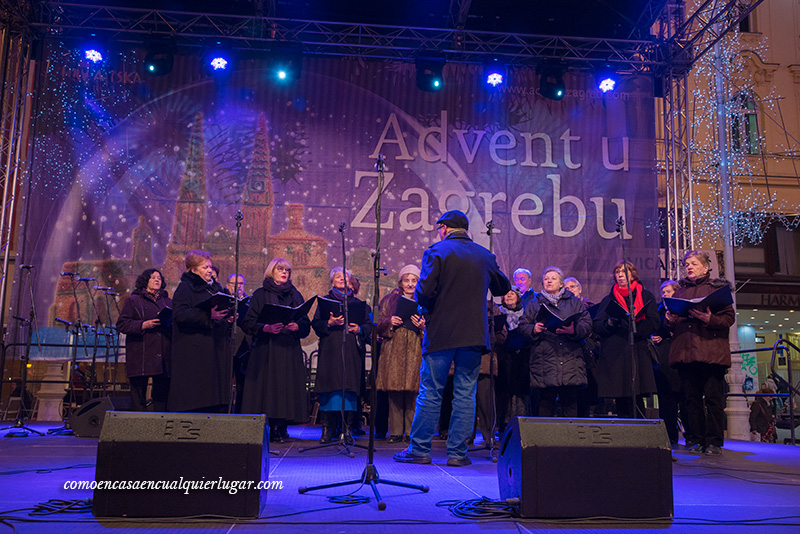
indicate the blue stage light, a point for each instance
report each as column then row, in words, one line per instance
column 607, row 84
column 429, row 73
column 219, row 63
column 94, row 55
column 494, row 79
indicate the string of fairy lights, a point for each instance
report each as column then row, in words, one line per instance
column 751, row 104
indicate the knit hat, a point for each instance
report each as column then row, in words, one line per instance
column 454, row 219
column 408, row 269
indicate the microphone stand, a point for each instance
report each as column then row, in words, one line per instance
column 66, row 429
column 233, row 348
column 20, row 429
column 631, row 318
column 112, row 337
column 99, row 329
column 342, row 440
column 370, row 474
column 489, row 442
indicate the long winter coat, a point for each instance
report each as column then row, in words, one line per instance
column 456, row 275
column 613, row 368
column 693, row 341
column 662, row 350
column 147, row 352
column 201, row 355
column 275, row 382
column 401, row 350
column 329, row 360
column 557, row 359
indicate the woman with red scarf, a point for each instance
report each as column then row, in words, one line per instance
column 620, row 371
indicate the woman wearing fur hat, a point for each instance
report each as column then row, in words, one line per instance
column 401, row 354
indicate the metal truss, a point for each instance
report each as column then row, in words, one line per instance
column 687, row 40
column 677, row 172
column 15, row 114
column 127, row 24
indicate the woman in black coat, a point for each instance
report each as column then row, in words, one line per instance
column 332, row 377
column 201, row 356
column 557, row 364
column 147, row 341
column 276, row 378
column 613, row 370
column 668, row 382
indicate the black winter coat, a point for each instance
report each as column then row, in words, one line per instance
column 613, row 369
column 557, row 359
column 329, row 356
column 147, row 352
column 456, row 275
column 201, row 355
column 275, row 382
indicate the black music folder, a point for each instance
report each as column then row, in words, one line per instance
column 165, row 317
column 222, row 301
column 407, row 307
column 356, row 309
column 553, row 319
column 275, row 313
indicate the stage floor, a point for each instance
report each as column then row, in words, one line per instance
column 752, row 487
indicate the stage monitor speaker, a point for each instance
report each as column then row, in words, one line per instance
column 181, row 464
column 87, row 420
column 559, row 467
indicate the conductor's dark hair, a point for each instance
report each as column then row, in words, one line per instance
column 144, row 278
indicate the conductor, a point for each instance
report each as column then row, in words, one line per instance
column 456, row 276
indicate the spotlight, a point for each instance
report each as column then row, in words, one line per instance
column 159, row 59
column 606, row 78
column 94, row 50
column 429, row 73
column 285, row 62
column 219, row 63
column 219, row 59
column 551, row 82
column 494, row 72
column 93, row 55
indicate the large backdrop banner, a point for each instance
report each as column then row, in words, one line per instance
column 130, row 171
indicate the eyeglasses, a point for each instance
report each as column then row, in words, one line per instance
column 282, row 269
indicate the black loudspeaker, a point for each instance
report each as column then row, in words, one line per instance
column 181, row 464
column 559, row 467
column 87, row 420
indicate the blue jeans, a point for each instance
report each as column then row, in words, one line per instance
column 433, row 375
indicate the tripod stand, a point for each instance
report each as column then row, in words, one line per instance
column 20, row 430
column 370, row 474
column 66, row 429
column 345, row 439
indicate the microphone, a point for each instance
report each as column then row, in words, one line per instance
column 64, row 273
column 85, row 279
column 103, row 288
column 63, row 321
column 112, row 293
column 26, row 266
column 380, row 163
column 18, row 318
column 342, row 226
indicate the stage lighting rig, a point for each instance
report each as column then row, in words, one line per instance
column 285, row 62
column 160, row 57
column 551, row 81
column 495, row 73
column 429, row 72
column 606, row 78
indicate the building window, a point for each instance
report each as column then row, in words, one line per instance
column 744, row 124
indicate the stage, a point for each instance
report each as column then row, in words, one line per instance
column 752, row 487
